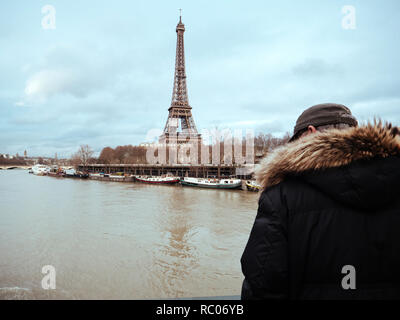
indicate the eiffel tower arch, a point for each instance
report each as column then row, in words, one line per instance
column 180, row 127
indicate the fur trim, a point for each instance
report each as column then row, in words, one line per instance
column 331, row 148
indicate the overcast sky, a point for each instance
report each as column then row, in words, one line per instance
column 104, row 75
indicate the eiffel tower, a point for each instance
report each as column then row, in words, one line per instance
column 180, row 127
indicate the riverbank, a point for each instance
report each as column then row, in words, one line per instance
column 131, row 178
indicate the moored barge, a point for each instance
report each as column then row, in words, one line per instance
column 212, row 183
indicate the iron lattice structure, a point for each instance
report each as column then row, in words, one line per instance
column 180, row 124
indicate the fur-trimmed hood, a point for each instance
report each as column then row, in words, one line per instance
column 329, row 149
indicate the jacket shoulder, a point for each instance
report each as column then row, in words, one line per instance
column 295, row 195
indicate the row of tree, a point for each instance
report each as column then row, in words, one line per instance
column 263, row 143
column 123, row 155
column 16, row 161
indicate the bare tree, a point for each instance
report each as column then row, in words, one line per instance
column 264, row 143
column 84, row 154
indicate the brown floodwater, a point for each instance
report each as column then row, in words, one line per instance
column 113, row 240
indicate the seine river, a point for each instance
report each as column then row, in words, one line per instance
column 113, row 240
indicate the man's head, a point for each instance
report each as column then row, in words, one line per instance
column 321, row 117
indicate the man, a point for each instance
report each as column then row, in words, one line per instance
column 328, row 221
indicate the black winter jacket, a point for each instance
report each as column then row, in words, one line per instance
column 328, row 222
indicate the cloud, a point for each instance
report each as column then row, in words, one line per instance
column 315, row 68
column 109, row 81
column 47, row 83
column 76, row 71
column 386, row 109
column 19, row 103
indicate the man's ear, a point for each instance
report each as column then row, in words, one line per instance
column 311, row 129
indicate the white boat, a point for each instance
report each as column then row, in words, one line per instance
column 212, row 183
column 40, row 169
column 116, row 176
column 95, row 175
column 158, row 179
column 101, row 175
column 70, row 172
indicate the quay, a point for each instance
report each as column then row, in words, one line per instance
column 179, row 170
